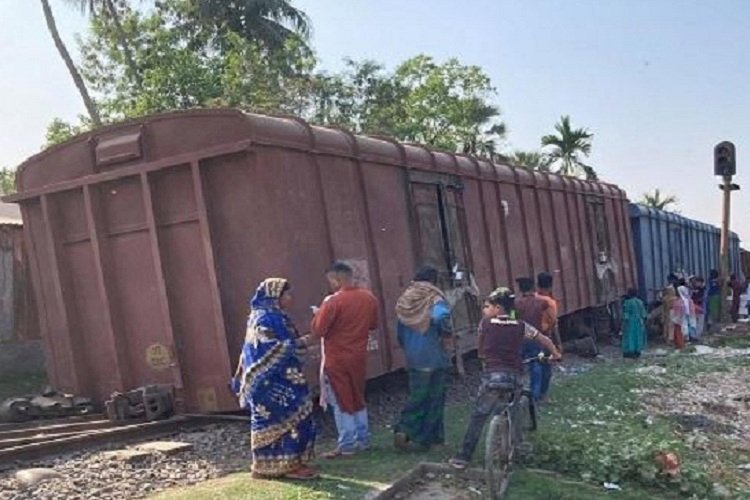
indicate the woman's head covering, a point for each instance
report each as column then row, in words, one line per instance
column 684, row 302
column 268, row 293
column 414, row 307
column 265, row 313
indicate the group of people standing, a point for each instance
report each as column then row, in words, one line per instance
column 689, row 307
column 271, row 386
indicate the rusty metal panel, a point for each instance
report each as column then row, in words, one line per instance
column 145, row 264
column 19, row 321
column 385, row 192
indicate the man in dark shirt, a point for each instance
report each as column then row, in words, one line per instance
column 499, row 347
column 532, row 309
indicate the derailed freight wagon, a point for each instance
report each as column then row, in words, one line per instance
column 146, row 239
column 665, row 242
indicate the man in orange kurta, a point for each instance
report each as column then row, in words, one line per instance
column 343, row 322
column 549, row 324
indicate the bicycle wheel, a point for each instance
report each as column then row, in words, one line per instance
column 498, row 454
column 527, row 412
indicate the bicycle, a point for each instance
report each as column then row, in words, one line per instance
column 510, row 418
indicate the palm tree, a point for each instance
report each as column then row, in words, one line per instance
column 269, row 22
column 566, row 147
column 531, row 160
column 74, row 73
column 108, row 9
column 658, row 200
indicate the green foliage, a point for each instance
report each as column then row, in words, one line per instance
column 658, row 200
column 532, row 160
column 565, row 149
column 607, row 436
column 59, row 131
column 7, row 180
column 187, row 58
column 447, row 105
column 271, row 24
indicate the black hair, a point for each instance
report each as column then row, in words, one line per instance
column 544, row 280
column 714, row 274
column 671, row 277
column 525, row 285
column 427, row 273
column 340, row 267
column 632, row 293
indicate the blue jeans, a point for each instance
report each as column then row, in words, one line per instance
column 539, row 373
column 353, row 429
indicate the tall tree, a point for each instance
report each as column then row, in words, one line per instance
column 532, row 160
column 566, row 148
column 91, row 107
column 448, row 106
column 109, row 9
column 269, row 23
column 658, row 200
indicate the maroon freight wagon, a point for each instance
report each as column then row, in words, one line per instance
column 146, row 239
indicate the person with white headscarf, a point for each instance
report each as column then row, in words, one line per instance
column 682, row 315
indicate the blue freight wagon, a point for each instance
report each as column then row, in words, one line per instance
column 665, row 243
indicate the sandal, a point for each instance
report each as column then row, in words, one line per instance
column 303, row 473
column 337, row 453
column 401, row 441
column 458, row 463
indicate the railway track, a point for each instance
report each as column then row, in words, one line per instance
column 34, row 440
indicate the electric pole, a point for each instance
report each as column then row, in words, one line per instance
column 725, row 166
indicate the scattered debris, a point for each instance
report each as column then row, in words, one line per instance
column 126, row 455
column 704, row 349
column 670, row 464
column 168, row 448
column 721, row 491
column 50, row 404
column 651, row 370
column 693, row 422
column 150, row 402
column 32, row 477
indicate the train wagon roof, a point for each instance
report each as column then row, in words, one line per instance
column 147, row 139
column 639, row 210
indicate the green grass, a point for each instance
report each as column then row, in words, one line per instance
column 21, row 384
column 527, row 485
column 594, row 431
column 598, row 430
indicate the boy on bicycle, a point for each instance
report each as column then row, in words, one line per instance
column 499, row 347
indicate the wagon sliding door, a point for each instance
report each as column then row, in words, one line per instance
column 605, row 282
column 440, row 223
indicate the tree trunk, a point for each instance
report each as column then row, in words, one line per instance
column 77, row 79
column 123, row 42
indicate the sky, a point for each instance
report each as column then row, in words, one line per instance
column 658, row 82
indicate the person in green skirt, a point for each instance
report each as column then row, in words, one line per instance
column 633, row 325
column 424, row 332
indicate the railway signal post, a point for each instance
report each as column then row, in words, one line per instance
column 725, row 166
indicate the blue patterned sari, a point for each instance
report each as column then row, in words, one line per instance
column 272, row 387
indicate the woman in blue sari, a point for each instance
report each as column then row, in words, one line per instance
column 270, row 385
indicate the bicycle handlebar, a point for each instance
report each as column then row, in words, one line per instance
column 542, row 358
